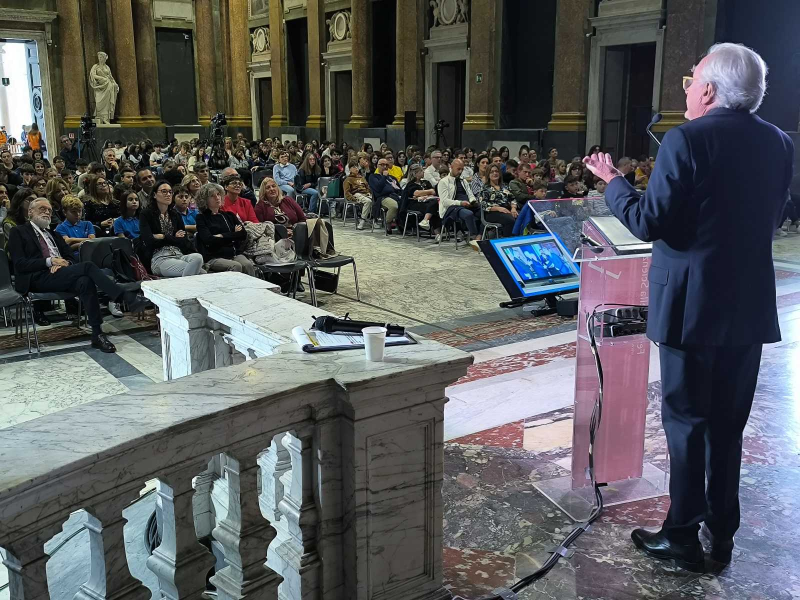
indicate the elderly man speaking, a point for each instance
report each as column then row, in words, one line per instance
column 712, row 288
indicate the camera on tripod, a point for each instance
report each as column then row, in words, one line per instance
column 218, row 121
column 87, row 128
column 440, row 126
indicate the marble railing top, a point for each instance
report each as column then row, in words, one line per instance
column 45, row 461
column 187, row 289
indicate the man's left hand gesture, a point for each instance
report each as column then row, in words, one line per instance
column 602, row 166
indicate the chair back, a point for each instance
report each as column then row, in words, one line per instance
column 259, row 176
column 5, row 272
column 552, row 194
column 556, row 185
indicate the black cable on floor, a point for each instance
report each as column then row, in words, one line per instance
column 563, row 550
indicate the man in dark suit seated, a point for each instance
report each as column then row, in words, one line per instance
column 712, row 292
column 41, row 264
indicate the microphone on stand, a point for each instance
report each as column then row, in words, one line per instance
column 656, row 118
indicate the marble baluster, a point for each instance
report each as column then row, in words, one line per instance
column 303, row 568
column 180, row 561
column 274, row 462
column 109, row 576
column 202, row 506
column 244, row 534
column 28, row 580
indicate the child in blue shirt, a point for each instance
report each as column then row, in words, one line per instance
column 182, row 197
column 72, row 228
column 127, row 224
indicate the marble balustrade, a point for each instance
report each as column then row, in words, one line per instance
column 315, row 476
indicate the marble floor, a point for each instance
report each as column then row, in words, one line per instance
column 508, row 425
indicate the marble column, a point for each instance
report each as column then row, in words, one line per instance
column 361, row 33
column 146, row 68
column 206, row 65
column 91, row 42
column 405, row 17
column 483, row 67
column 571, row 67
column 684, row 45
column 277, row 38
column 72, row 65
column 126, row 73
column 317, row 38
column 225, row 74
column 240, row 56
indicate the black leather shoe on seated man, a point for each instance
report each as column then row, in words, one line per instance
column 102, row 343
column 721, row 549
column 656, row 545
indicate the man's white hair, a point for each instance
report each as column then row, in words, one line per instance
column 738, row 74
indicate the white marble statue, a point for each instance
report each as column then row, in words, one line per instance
column 105, row 90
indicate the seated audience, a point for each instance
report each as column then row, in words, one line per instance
column 246, row 192
column 393, row 169
column 457, row 203
column 432, row 172
column 284, row 174
column 55, row 190
column 127, row 175
column 110, row 164
column 183, row 199
column 68, row 152
column 521, row 187
column 218, row 159
column 499, row 205
column 43, row 263
column 101, row 208
column 232, row 184
column 38, row 185
column 17, row 211
column 5, row 202
column 144, row 183
column 642, row 172
column 192, row 184
column 386, row 192
column 327, row 169
column 599, row 189
column 625, row 166
column 510, row 172
column 276, row 208
column 165, row 243
column 356, row 190
column 202, row 172
column 127, row 223
column 73, row 229
column 157, row 156
column 220, row 234
column 573, row 188
column 307, row 177
column 419, row 196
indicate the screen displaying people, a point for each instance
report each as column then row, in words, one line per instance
column 538, row 260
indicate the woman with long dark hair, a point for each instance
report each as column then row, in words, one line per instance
column 307, row 177
column 166, row 245
column 100, row 205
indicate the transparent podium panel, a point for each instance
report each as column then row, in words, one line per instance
column 614, row 288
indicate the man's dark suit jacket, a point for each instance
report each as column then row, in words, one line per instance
column 26, row 254
column 712, row 280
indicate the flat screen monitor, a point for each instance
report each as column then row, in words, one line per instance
column 533, row 266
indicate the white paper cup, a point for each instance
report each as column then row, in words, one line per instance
column 374, row 343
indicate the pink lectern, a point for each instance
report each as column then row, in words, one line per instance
column 614, row 269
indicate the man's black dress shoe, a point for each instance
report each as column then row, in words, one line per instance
column 102, row 343
column 40, row 319
column 721, row 550
column 656, row 545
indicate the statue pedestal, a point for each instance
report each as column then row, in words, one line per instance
column 109, row 125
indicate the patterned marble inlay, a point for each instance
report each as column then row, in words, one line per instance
column 34, row 388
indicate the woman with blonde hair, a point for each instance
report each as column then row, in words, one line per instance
column 192, row 183
column 275, row 207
